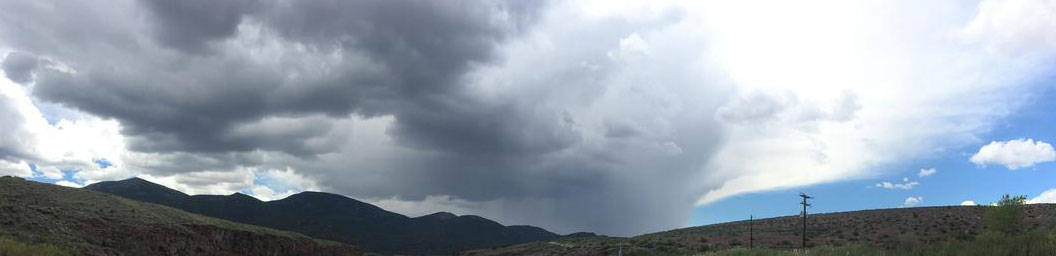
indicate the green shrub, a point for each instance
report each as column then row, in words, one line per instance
column 1007, row 217
column 993, row 243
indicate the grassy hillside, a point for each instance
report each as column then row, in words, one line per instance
column 83, row 222
column 903, row 231
column 11, row 247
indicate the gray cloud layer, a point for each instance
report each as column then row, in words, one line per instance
column 19, row 66
column 560, row 114
column 575, row 144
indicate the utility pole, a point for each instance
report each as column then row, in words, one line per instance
column 805, row 204
column 751, row 237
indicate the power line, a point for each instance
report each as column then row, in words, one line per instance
column 804, row 213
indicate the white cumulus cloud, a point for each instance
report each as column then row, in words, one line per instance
column 913, row 201
column 55, row 139
column 14, row 168
column 906, row 184
column 926, row 172
column 815, row 104
column 1033, row 21
column 968, row 203
column 1047, row 197
column 1014, row 154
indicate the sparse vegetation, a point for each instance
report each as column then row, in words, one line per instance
column 1007, row 217
column 44, row 219
column 988, row 244
column 10, row 247
column 1004, row 234
column 1009, row 228
column 857, row 250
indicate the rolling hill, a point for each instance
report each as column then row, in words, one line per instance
column 884, row 228
column 83, row 222
column 339, row 218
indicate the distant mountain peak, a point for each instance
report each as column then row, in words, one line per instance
column 439, row 216
column 244, row 197
column 582, row 234
column 137, row 179
column 130, row 181
column 138, row 189
column 314, row 195
column 11, row 177
column 317, row 194
column 326, row 198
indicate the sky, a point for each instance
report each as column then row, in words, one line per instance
column 620, row 118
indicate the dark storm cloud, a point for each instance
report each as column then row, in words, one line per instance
column 620, row 130
column 183, row 110
column 19, row 66
column 483, row 129
column 189, row 25
column 415, row 54
column 541, row 159
column 425, row 46
column 195, row 92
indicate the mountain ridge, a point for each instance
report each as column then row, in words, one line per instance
column 339, row 218
column 86, row 222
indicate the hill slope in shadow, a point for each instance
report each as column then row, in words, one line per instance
column 85, row 222
column 339, row 218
